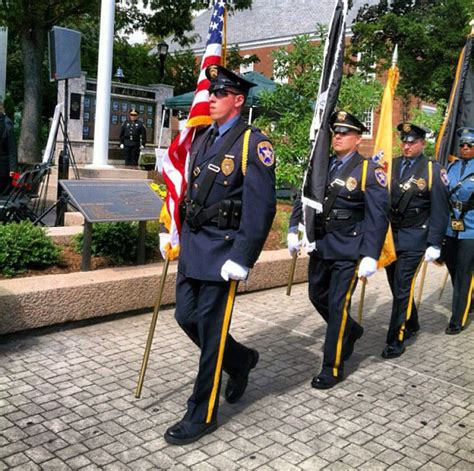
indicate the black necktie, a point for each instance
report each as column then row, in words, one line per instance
column 463, row 167
column 334, row 168
column 406, row 164
column 212, row 137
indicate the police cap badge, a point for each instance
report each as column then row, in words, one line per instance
column 222, row 78
column 466, row 136
column 342, row 122
column 410, row 132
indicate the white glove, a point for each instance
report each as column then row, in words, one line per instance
column 121, row 146
column 308, row 246
column 293, row 242
column 233, row 271
column 432, row 254
column 142, row 147
column 165, row 239
column 367, row 267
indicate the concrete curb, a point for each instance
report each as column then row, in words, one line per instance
column 27, row 303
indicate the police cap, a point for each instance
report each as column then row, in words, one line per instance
column 466, row 136
column 410, row 132
column 342, row 122
column 222, row 78
column 133, row 112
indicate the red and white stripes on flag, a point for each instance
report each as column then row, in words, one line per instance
column 176, row 159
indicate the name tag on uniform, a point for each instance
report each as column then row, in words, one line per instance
column 457, row 225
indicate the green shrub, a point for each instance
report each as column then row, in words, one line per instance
column 118, row 240
column 147, row 161
column 24, row 246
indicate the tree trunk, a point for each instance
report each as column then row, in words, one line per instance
column 33, row 46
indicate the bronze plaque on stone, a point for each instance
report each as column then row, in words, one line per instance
column 114, row 200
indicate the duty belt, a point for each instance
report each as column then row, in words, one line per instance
column 409, row 218
column 340, row 218
column 462, row 206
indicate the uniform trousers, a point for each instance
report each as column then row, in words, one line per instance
column 200, row 312
column 331, row 284
column 131, row 154
column 401, row 276
column 459, row 257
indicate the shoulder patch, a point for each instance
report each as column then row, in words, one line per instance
column 444, row 176
column 265, row 153
column 381, row 177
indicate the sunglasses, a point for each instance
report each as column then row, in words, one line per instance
column 470, row 145
column 222, row 93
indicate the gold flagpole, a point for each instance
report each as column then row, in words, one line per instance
column 362, row 298
column 422, row 284
column 291, row 275
column 443, row 284
column 151, row 332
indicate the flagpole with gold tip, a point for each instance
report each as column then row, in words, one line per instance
column 151, row 332
column 363, row 279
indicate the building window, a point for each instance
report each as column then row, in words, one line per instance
column 368, row 120
column 428, row 109
column 124, row 107
column 149, row 109
column 123, row 118
column 115, row 105
column 85, row 132
column 86, row 116
column 246, row 67
column 278, row 76
column 114, row 119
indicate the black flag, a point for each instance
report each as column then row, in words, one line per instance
column 460, row 112
column 314, row 184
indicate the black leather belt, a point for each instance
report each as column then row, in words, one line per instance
column 462, row 206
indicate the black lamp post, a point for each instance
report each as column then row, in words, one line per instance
column 119, row 74
column 162, row 52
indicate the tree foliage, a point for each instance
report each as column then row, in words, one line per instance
column 290, row 106
column 28, row 23
column 429, row 34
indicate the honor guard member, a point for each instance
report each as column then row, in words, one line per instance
column 419, row 215
column 350, row 235
column 132, row 138
column 458, row 249
column 230, row 205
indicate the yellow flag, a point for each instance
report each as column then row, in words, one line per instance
column 383, row 154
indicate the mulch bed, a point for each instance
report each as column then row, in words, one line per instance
column 71, row 260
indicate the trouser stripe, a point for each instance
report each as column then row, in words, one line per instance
column 220, row 354
column 468, row 302
column 342, row 327
column 401, row 334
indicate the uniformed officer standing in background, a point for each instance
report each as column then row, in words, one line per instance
column 230, row 206
column 8, row 152
column 132, row 138
column 458, row 250
column 350, row 235
column 419, row 215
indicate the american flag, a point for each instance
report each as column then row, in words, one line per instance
column 175, row 160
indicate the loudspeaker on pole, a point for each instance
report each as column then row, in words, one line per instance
column 64, row 53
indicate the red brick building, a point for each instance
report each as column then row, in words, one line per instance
column 272, row 24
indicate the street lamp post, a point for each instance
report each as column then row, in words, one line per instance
column 162, row 53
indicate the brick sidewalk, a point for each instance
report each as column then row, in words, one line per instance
column 67, row 402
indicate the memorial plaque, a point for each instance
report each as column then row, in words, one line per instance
column 114, row 200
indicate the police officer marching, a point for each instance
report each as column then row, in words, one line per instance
column 132, row 138
column 230, row 205
column 458, row 249
column 350, row 235
column 418, row 216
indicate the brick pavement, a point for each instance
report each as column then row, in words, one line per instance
column 67, row 402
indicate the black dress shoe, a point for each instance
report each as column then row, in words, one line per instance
column 354, row 335
column 236, row 385
column 453, row 330
column 325, row 382
column 184, row 433
column 393, row 350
